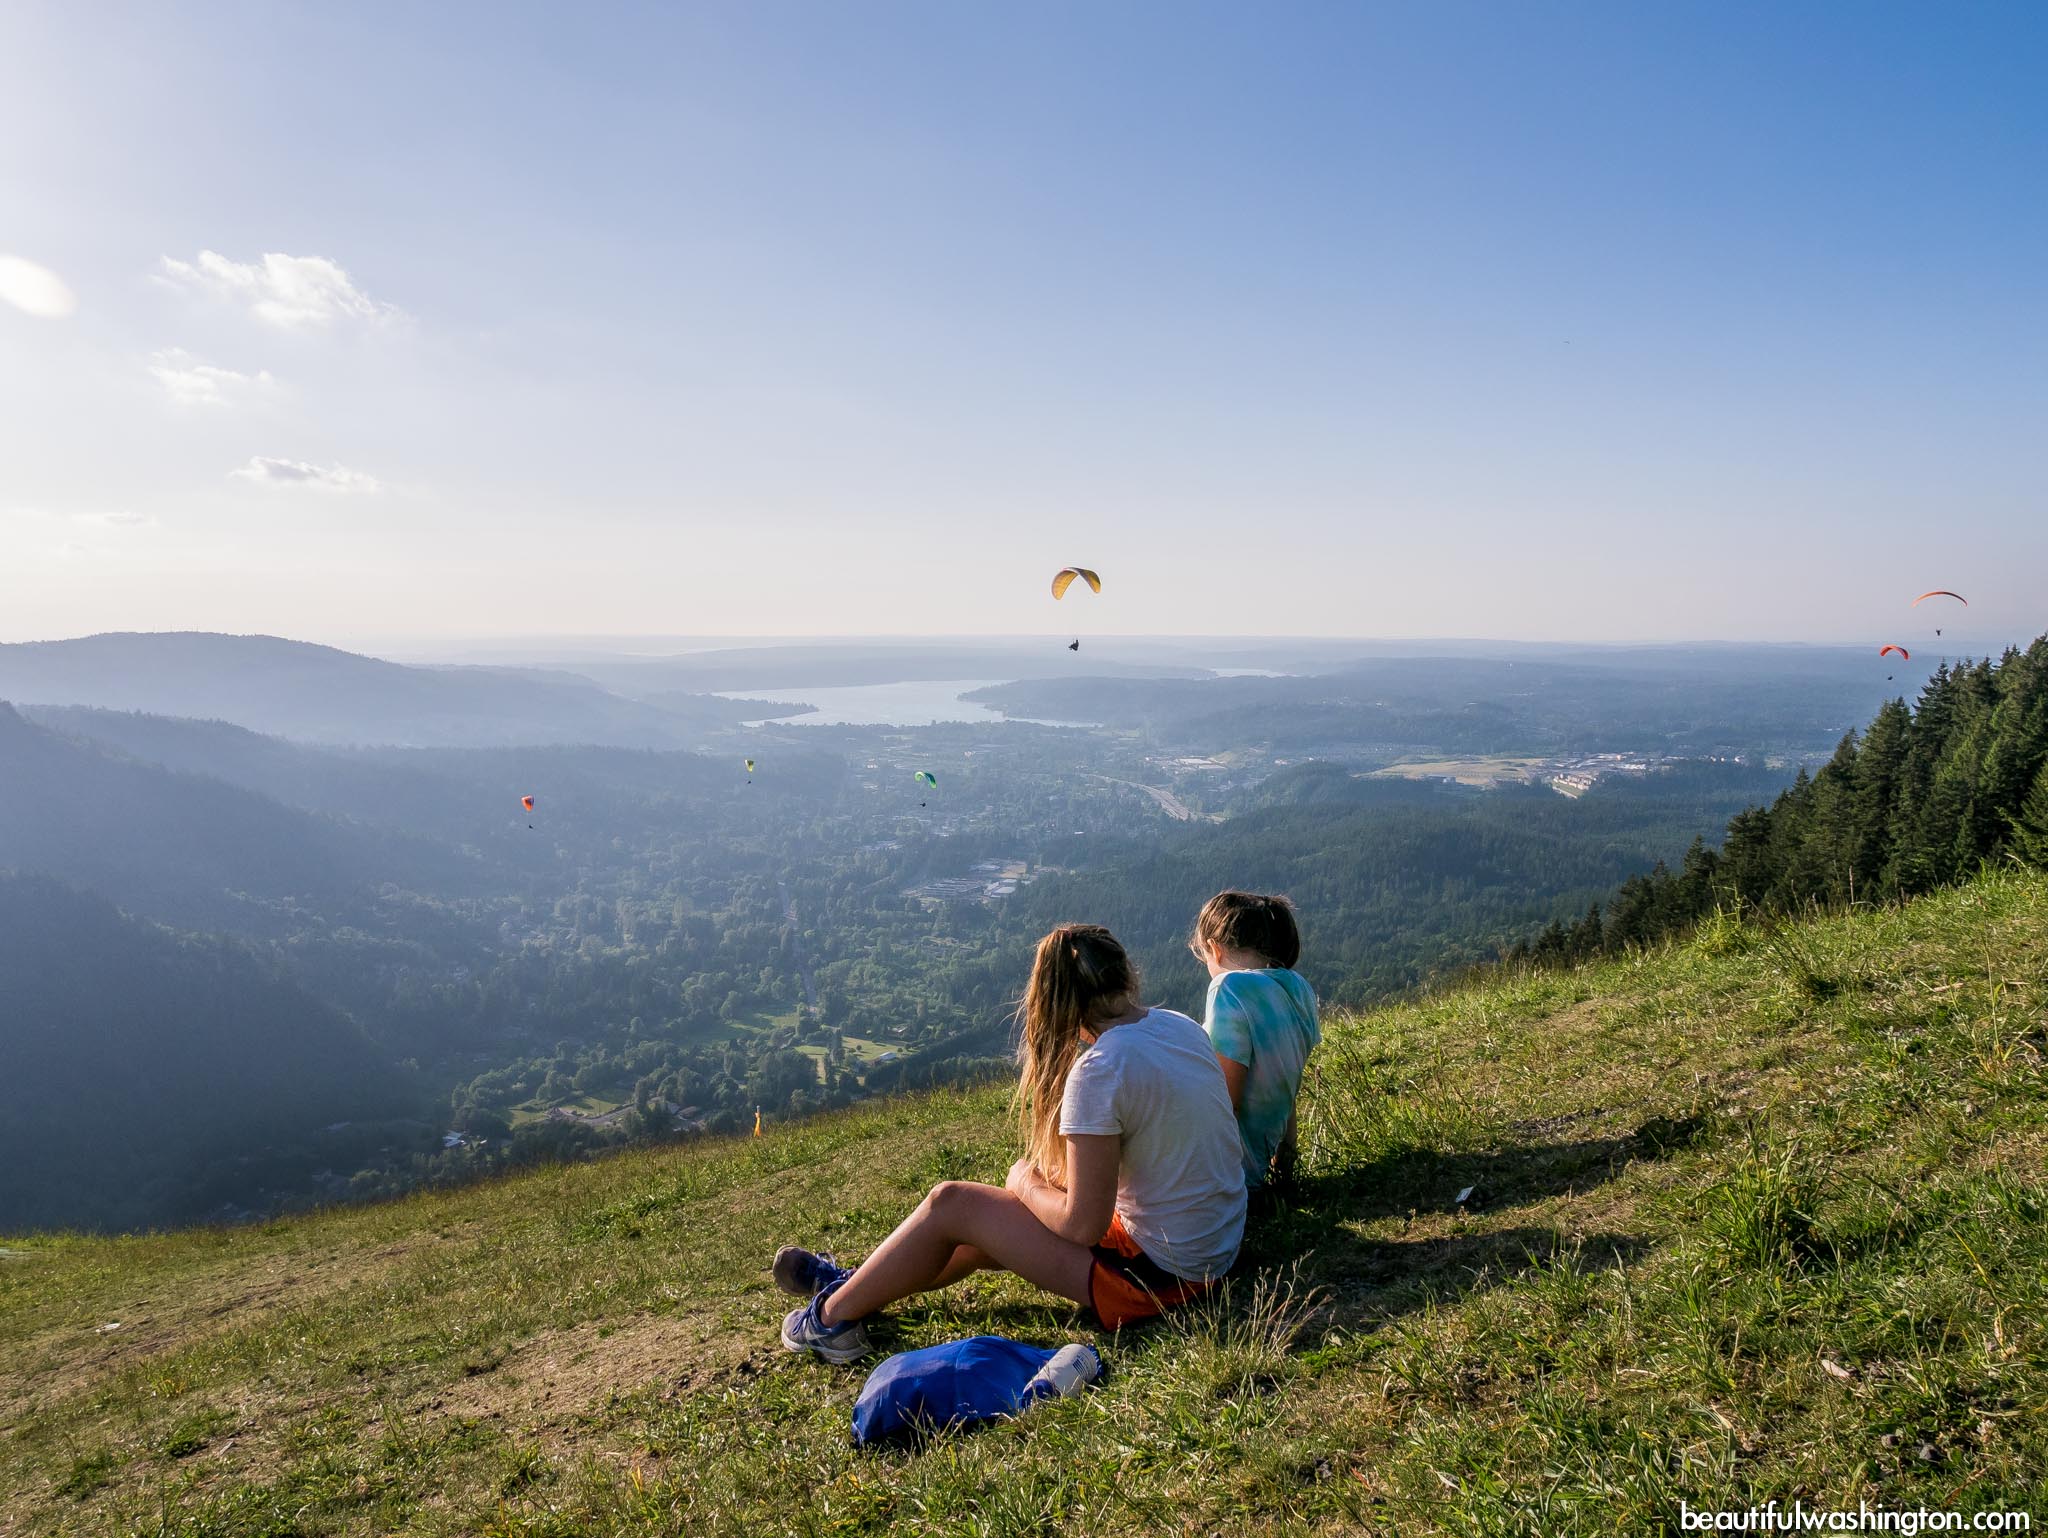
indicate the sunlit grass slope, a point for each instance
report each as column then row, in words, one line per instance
column 1759, row 1215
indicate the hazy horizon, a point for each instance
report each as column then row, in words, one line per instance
column 511, row 649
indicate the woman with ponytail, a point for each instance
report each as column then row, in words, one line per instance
column 1130, row 1195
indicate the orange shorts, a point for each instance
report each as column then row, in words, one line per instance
column 1126, row 1285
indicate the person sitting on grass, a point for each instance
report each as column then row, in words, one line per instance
column 1261, row 1019
column 1130, row 1197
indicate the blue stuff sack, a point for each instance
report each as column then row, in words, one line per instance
column 963, row 1382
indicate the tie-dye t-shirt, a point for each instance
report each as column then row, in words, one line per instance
column 1265, row 1020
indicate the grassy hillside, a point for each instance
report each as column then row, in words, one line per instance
column 1760, row 1215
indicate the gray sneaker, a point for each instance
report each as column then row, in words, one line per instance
column 804, row 1329
column 804, row 1274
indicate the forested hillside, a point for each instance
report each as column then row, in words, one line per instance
column 1920, row 798
column 156, row 1078
column 1395, row 882
column 188, row 848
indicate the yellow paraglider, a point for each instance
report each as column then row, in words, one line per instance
column 1064, row 579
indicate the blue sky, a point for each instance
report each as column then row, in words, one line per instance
column 1538, row 321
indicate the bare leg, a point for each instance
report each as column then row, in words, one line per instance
column 965, row 1262
column 925, row 1251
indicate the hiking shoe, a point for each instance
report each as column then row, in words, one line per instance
column 804, row 1329
column 804, row 1274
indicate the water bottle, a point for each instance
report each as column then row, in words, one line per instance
column 1072, row 1368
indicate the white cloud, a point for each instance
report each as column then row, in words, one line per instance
column 191, row 383
column 35, row 289
column 284, row 291
column 296, row 472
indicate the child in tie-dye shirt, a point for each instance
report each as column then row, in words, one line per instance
column 1261, row 1019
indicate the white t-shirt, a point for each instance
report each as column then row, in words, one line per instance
column 1180, row 1183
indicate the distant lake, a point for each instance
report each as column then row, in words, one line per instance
column 916, row 702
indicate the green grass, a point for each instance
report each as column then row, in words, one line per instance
column 537, row 1110
column 858, row 1050
column 1759, row 1216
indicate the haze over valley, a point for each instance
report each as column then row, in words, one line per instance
column 440, row 983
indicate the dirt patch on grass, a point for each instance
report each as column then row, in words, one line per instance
column 563, row 1379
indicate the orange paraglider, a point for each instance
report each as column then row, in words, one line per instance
column 1939, row 592
column 527, row 802
column 1904, row 655
column 1064, row 579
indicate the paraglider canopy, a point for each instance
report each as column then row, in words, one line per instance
column 1939, row 592
column 1064, row 579
column 1904, row 655
column 925, row 777
column 750, row 766
column 527, row 802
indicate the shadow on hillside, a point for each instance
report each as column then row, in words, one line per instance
column 1365, row 1282
column 1303, row 1213
column 1315, row 1219
column 1359, row 1283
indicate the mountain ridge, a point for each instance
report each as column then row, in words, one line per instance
column 322, row 694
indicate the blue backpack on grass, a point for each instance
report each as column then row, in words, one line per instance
column 963, row 1382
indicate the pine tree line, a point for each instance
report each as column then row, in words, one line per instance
column 1918, row 800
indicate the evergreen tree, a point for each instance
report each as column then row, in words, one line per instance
column 2029, row 825
column 1874, row 800
column 1920, row 799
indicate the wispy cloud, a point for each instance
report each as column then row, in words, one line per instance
column 291, row 292
column 189, row 382
column 296, row 472
column 34, row 289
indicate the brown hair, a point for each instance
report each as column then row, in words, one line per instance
column 1079, row 978
column 1249, row 921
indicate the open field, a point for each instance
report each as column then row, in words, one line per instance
column 1757, row 1216
column 858, row 1049
column 582, row 1105
column 1485, row 771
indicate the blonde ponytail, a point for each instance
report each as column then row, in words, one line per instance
column 1080, row 978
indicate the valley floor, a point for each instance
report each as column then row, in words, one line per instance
column 1759, row 1216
